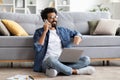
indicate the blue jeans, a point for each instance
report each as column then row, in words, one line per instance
column 65, row 68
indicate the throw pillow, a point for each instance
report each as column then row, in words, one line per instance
column 3, row 30
column 107, row 27
column 92, row 26
column 14, row 28
column 118, row 32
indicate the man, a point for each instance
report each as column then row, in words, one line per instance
column 48, row 44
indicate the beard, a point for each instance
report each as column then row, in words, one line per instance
column 54, row 23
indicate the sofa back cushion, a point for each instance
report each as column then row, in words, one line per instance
column 29, row 22
column 79, row 20
column 72, row 20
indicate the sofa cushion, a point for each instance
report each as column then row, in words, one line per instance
column 65, row 20
column 101, row 41
column 79, row 20
column 23, row 53
column 14, row 28
column 76, row 20
column 92, row 26
column 101, row 52
column 3, row 30
column 107, row 26
column 15, row 41
column 118, row 32
column 29, row 22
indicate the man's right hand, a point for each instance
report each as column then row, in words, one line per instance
column 46, row 26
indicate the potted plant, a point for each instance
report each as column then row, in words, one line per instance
column 100, row 8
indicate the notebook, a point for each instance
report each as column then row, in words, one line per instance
column 70, row 55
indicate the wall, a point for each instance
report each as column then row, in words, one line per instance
column 115, row 10
column 82, row 5
column 41, row 4
column 85, row 5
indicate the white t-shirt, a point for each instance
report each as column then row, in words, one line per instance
column 54, row 45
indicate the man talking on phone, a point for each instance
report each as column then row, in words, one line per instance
column 48, row 44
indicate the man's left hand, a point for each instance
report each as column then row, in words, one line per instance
column 77, row 40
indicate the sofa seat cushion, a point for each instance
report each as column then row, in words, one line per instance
column 16, row 41
column 17, row 53
column 101, row 52
column 100, row 41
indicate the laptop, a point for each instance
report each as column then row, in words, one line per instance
column 70, row 55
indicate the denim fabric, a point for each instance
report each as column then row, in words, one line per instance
column 40, row 50
column 65, row 68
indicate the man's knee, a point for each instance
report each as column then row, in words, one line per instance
column 50, row 60
column 86, row 59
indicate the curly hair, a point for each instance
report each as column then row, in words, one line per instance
column 46, row 11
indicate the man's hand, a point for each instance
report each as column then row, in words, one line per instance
column 46, row 28
column 77, row 40
column 47, row 25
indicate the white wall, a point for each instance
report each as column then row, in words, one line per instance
column 41, row 4
column 115, row 10
column 85, row 5
column 82, row 5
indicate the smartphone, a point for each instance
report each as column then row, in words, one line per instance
column 46, row 21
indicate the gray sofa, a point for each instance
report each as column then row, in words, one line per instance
column 20, row 48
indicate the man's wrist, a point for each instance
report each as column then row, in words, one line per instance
column 77, row 36
column 44, row 32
